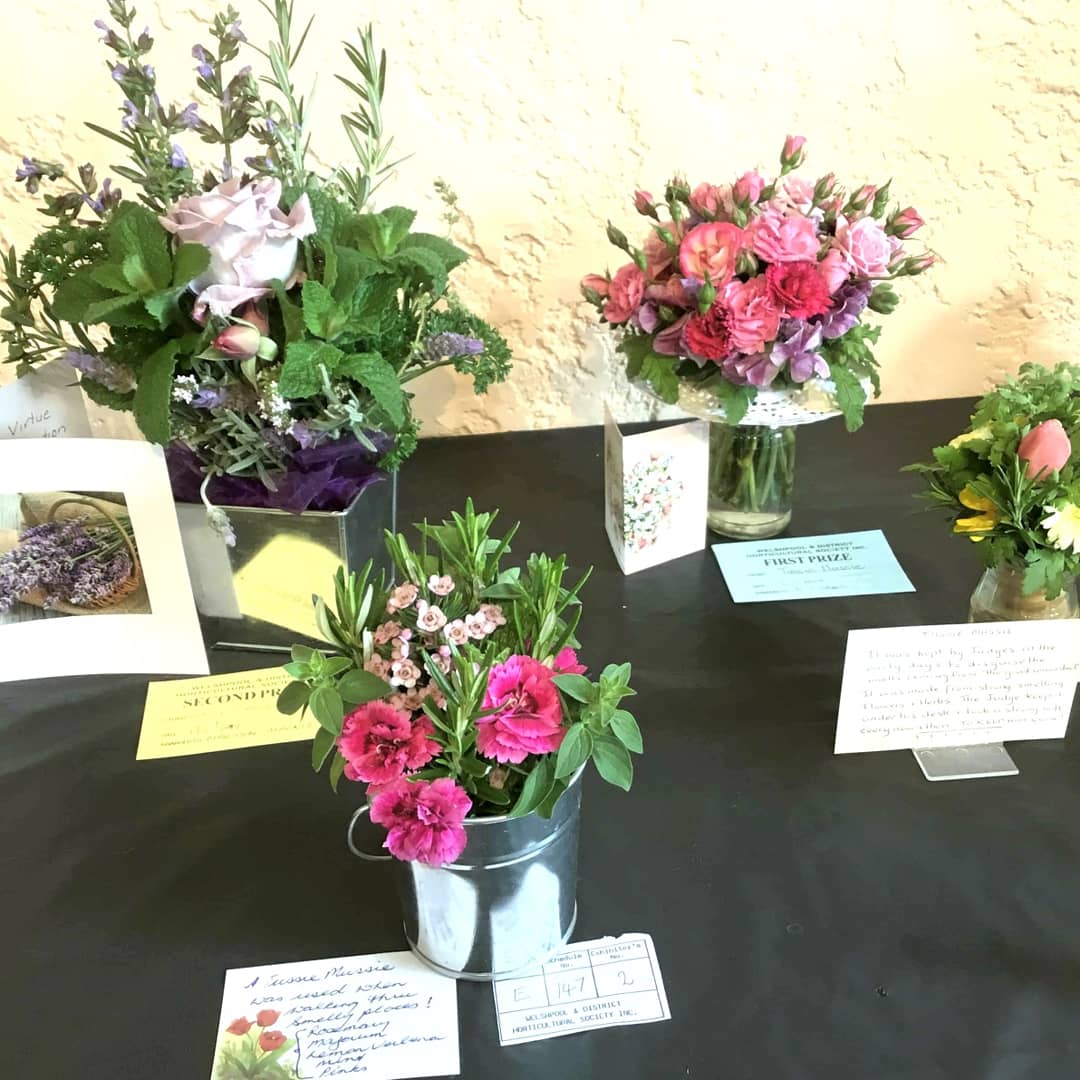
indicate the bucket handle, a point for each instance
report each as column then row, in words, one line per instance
column 352, row 846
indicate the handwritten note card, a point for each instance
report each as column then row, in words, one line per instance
column 593, row 984
column 385, row 1016
column 935, row 686
column 807, row 568
column 46, row 404
column 223, row 712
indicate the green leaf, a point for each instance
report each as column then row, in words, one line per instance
column 659, row 372
column 577, row 687
column 574, row 751
column 735, row 399
column 352, row 269
column 76, row 295
column 850, row 397
column 359, row 687
column 625, row 728
column 293, row 698
column 137, row 275
column 135, row 230
column 547, row 807
column 503, row 590
column 111, row 277
column 492, row 795
column 422, row 265
column 635, row 348
column 301, row 654
column 117, row 310
column 450, row 255
column 612, row 761
column 371, row 301
column 321, row 748
column 292, row 317
column 337, row 769
column 385, row 231
column 379, row 377
column 336, row 665
column 322, row 315
column 535, row 789
column 153, row 394
column 189, row 261
column 301, row 374
column 329, row 709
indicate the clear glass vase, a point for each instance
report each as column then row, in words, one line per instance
column 751, row 478
column 999, row 597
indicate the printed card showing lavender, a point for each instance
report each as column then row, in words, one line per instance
column 655, row 492
column 92, row 572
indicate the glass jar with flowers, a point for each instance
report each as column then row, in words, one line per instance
column 1012, row 484
column 745, row 305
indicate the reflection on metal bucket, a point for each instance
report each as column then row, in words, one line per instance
column 507, row 903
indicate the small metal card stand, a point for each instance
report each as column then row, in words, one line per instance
column 966, row 762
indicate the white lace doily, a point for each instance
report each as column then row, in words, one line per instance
column 787, row 406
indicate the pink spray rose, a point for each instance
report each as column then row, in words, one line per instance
column 380, row 744
column 834, row 268
column 625, row 293
column 748, row 187
column 1046, row 448
column 753, row 314
column 709, row 201
column 907, row 223
column 672, row 293
column 794, row 193
column 776, row 238
column 566, row 663
column 529, row 717
column 798, row 289
column 595, row 282
column 423, row 820
column 865, row 244
column 251, row 240
column 644, row 203
column 659, row 255
column 711, row 250
column 792, row 155
column 239, row 342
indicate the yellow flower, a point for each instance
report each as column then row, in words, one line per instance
column 978, row 525
column 982, row 433
column 1063, row 526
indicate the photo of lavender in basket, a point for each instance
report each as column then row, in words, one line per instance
column 68, row 554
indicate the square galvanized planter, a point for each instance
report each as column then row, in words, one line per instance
column 257, row 594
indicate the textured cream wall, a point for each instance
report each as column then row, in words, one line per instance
column 545, row 114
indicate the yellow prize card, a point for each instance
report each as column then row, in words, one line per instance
column 222, row 712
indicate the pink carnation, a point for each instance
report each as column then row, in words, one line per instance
column 380, row 744
column 865, row 245
column 529, row 717
column 423, row 820
column 753, row 314
column 798, row 289
column 566, row 663
column 624, row 294
column 711, row 250
column 776, row 238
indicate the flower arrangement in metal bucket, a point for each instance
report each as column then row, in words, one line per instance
column 760, row 284
column 258, row 317
column 1012, row 480
column 459, row 691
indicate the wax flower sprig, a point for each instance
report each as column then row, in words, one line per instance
column 1012, row 481
column 459, row 691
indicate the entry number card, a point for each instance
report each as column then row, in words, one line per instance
column 593, row 984
column 922, row 687
column 811, row 567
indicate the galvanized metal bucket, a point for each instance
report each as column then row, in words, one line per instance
column 257, row 594
column 508, row 902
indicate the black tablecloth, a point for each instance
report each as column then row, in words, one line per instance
column 814, row 916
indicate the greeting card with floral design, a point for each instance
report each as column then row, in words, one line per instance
column 655, row 492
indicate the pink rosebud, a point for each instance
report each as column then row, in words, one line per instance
column 644, row 203
column 707, row 200
column 917, row 264
column 594, row 283
column 748, row 188
column 239, row 342
column 792, row 155
column 906, row 223
column 1046, row 448
column 863, row 197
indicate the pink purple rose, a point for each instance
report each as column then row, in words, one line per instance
column 528, row 715
column 865, row 245
column 710, row 251
column 423, row 820
column 776, row 237
column 1046, row 448
column 753, row 314
column 379, row 743
column 624, row 293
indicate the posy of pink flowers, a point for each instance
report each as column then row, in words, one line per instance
column 761, row 283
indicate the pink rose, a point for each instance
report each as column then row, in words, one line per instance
column 251, row 240
column 863, row 197
column 709, row 201
column 795, row 193
column 596, row 282
column 1046, row 448
column 644, row 203
column 672, row 292
column 835, row 269
column 776, row 238
column 907, row 222
column 528, row 719
column 658, row 253
column 865, row 244
column 792, row 155
column 711, row 250
column 753, row 315
column 238, row 342
column 423, row 820
column 748, row 188
column 379, row 743
column 624, row 294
